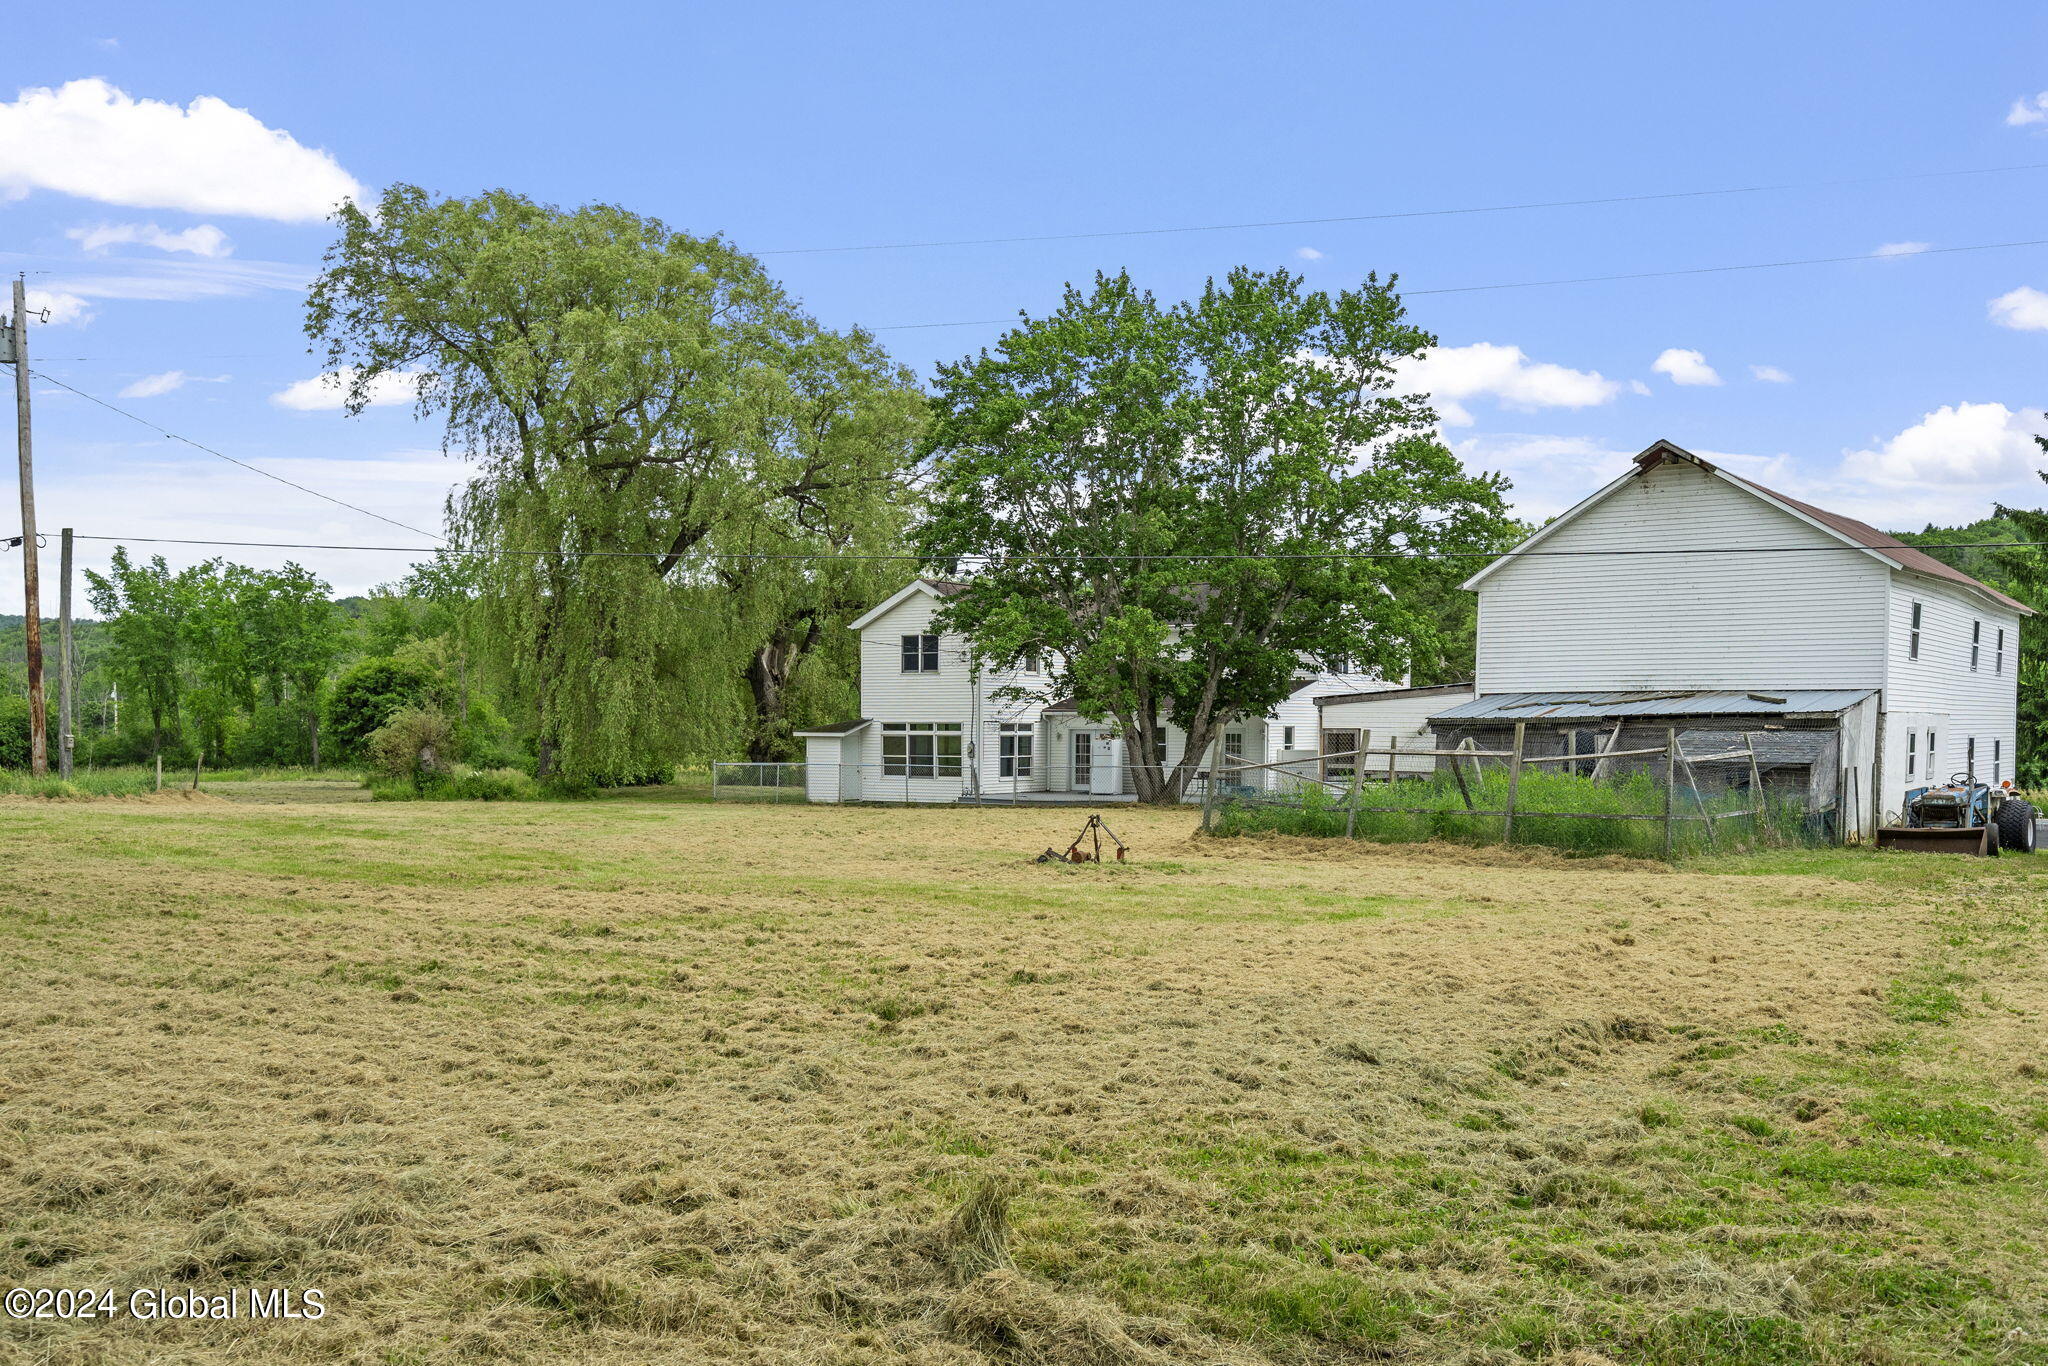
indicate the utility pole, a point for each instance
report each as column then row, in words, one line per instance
column 66, row 661
column 38, row 720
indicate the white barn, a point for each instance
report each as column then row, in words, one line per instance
column 1803, row 615
column 936, row 728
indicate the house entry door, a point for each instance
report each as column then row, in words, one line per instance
column 1083, row 750
column 1105, row 764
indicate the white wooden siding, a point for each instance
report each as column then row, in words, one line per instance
column 1403, row 717
column 1797, row 620
column 1939, row 690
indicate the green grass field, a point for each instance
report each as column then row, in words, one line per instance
column 641, row 1080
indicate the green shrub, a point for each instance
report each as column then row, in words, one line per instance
column 415, row 744
column 368, row 694
column 13, row 732
column 277, row 736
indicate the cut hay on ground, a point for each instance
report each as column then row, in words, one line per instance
column 657, row 1083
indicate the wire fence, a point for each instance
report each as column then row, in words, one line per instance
column 1645, row 790
column 751, row 782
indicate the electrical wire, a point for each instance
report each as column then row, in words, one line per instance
column 1033, row 558
column 1409, row 213
column 173, row 436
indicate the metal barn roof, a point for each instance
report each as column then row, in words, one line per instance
column 1581, row 705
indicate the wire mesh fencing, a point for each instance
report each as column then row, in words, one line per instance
column 1657, row 791
column 758, row 782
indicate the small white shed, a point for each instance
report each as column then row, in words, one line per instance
column 1396, row 716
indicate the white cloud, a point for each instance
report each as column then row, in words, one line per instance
column 203, row 240
column 1636, row 386
column 63, row 307
column 2024, row 310
column 329, row 393
column 2028, row 111
column 1977, row 444
column 1770, row 374
column 153, row 386
column 1452, row 374
column 1308, row 253
column 1685, row 367
column 89, row 139
column 1901, row 248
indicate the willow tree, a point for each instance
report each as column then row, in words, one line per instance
column 1187, row 505
column 627, row 395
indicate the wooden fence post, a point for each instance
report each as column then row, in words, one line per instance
column 1357, row 784
column 1670, row 785
column 1507, row 831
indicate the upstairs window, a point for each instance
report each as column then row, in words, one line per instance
column 1976, row 643
column 1032, row 661
column 1998, row 654
column 1913, row 639
column 921, row 749
column 920, row 654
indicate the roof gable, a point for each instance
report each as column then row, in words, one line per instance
column 1849, row 531
column 935, row 588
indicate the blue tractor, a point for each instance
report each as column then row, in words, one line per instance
column 1962, row 816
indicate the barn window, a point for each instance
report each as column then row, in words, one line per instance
column 1997, row 761
column 1340, row 753
column 1932, row 760
column 1970, row 757
column 920, row 654
column 1976, row 643
column 1913, row 640
column 1998, row 655
column 921, row 749
column 1912, row 752
column 1013, row 750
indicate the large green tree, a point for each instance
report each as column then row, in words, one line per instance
column 642, row 407
column 146, row 607
column 1187, row 505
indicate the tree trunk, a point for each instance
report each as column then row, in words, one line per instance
column 543, row 758
column 769, row 672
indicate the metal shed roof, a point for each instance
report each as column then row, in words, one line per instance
column 1581, row 705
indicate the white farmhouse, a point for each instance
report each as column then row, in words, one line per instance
column 1875, row 665
column 935, row 728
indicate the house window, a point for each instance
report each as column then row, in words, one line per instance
column 1340, row 753
column 921, row 749
column 1913, row 639
column 1912, row 752
column 1013, row 750
column 1287, row 737
column 1159, row 746
column 1976, row 643
column 1338, row 664
column 920, row 654
column 1032, row 660
column 1233, row 746
column 1998, row 655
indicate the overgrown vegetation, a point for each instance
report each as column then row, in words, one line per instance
column 1633, row 804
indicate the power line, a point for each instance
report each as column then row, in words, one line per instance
column 1600, row 279
column 1409, row 213
column 1031, row 558
column 173, row 436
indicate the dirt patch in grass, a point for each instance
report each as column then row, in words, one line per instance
column 694, row 1083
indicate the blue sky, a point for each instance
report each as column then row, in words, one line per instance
column 169, row 213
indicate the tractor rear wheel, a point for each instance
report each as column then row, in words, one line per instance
column 2016, row 826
